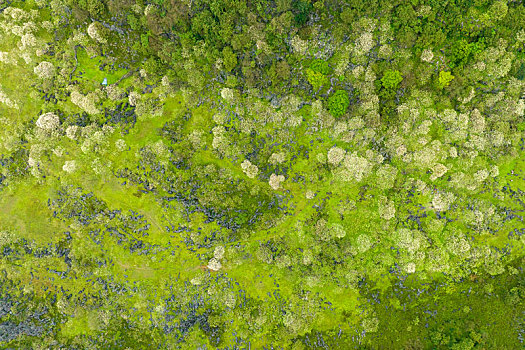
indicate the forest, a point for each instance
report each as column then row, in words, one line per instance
column 262, row 174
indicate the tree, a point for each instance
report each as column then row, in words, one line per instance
column 498, row 10
column 302, row 11
column 391, row 79
column 95, row 8
column 338, row 103
column 461, row 51
column 98, row 32
column 317, row 74
column 316, row 79
column 444, row 79
column 229, row 59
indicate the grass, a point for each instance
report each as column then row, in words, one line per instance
column 91, row 73
column 25, row 200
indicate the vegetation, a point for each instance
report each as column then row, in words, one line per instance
column 391, row 79
column 338, row 103
column 288, row 174
column 444, row 79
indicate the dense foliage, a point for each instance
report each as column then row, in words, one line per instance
column 277, row 174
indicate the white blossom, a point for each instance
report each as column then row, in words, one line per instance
column 340, row 127
column 494, row 171
column 229, row 299
column 298, row 45
column 357, row 167
column 443, row 200
column 120, row 144
column 386, row 176
column 218, row 253
column 481, row 175
column 335, row 155
column 45, row 70
column 94, row 31
column 275, row 181
column 219, row 142
column 458, row 245
column 277, row 158
column 28, row 40
column 72, row 132
column 438, row 170
column 370, row 325
column 16, row 13
column 58, row 151
column 214, row 264
column 249, row 169
column 387, row 210
column 197, row 280
column 321, row 158
column 309, row 194
column 6, row 57
column 48, row 121
column 115, row 92
column 100, row 167
column 427, row 55
column 385, row 51
column 220, row 118
column 425, row 157
column 497, row 138
column 69, row 166
column 401, row 150
column 410, row 267
column 337, row 230
column 363, row 243
column 7, row 101
column 228, row 94
column 133, row 98
column 453, row 153
column 87, row 102
column 364, row 43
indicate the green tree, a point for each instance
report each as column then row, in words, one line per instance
column 461, row 51
column 498, row 10
column 95, row 8
column 302, row 10
column 229, row 58
column 133, row 21
column 321, row 66
column 391, row 79
column 316, row 79
column 444, row 79
column 317, row 74
column 338, row 103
